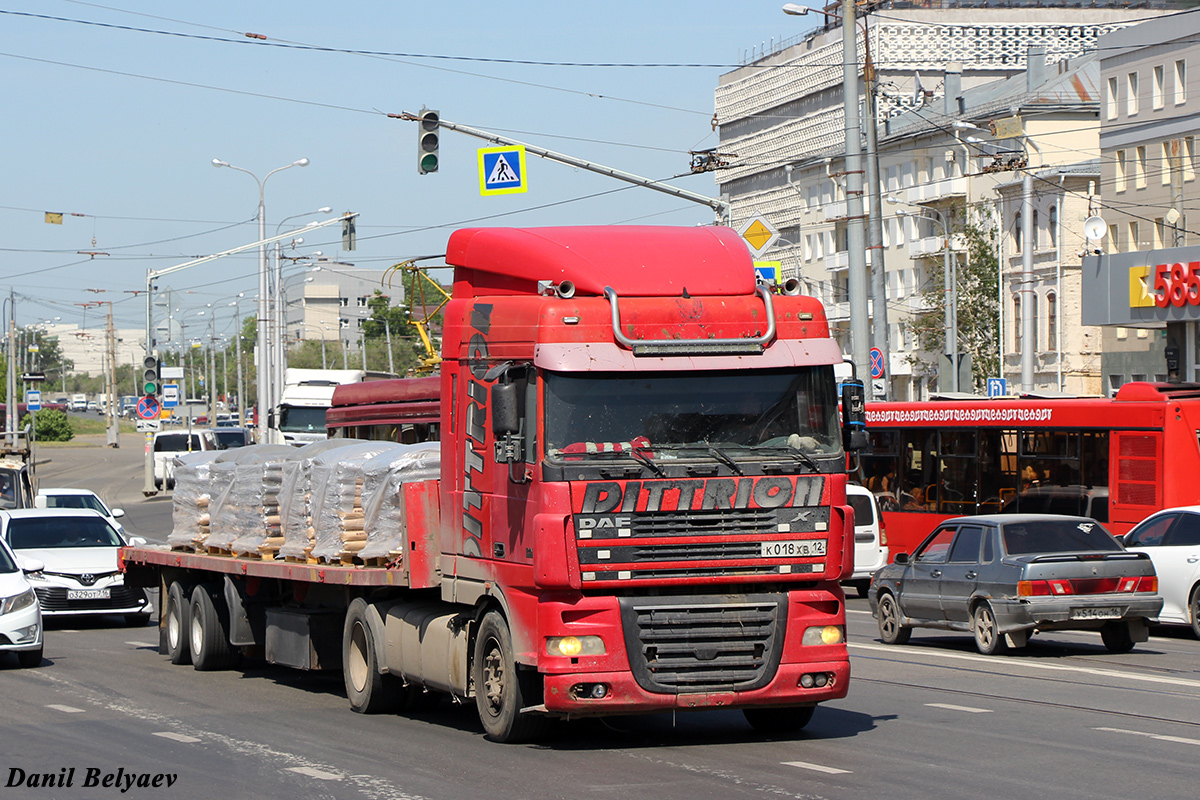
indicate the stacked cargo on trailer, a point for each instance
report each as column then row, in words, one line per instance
column 639, row 501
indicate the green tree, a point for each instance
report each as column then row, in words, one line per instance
column 52, row 426
column 396, row 317
column 976, row 283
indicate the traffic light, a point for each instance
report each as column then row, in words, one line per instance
column 150, row 382
column 427, row 141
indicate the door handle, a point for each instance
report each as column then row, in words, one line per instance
column 1193, row 559
column 937, row 573
column 971, row 574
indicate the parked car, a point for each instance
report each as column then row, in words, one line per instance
column 20, row 614
column 78, row 551
column 79, row 498
column 870, row 540
column 1171, row 538
column 225, row 438
column 1003, row 577
column 167, row 445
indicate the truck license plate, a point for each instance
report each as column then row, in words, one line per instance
column 794, row 548
column 1107, row 612
column 88, row 594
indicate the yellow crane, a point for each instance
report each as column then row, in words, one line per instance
column 422, row 289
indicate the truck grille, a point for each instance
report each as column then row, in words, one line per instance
column 679, row 645
column 54, row 598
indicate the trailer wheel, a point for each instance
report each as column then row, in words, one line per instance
column 370, row 690
column 778, row 721
column 501, row 688
column 209, row 635
column 178, row 624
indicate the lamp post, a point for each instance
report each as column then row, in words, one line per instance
column 263, row 363
column 855, row 233
column 949, row 285
column 237, row 332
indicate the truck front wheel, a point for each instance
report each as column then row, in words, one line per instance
column 501, row 688
column 369, row 689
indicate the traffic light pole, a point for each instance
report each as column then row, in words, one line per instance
column 719, row 206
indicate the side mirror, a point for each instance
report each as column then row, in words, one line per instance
column 506, row 416
column 39, row 501
column 30, row 565
column 136, row 541
column 117, row 512
column 901, row 558
column 854, row 415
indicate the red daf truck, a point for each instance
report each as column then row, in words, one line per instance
column 641, row 503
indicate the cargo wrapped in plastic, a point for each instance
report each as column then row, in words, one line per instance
column 295, row 496
column 190, row 519
column 337, row 500
column 239, row 509
column 383, row 496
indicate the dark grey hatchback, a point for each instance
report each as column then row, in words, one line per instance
column 1003, row 577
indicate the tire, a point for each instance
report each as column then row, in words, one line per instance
column 30, row 659
column 778, row 721
column 501, row 688
column 988, row 639
column 137, row 620
column 209, row 634
column 890, row 629
column 178, row 624
column 369, row 690
column 1117, row 637
column 1194, row 611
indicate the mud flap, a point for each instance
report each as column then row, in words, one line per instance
column 1139, row 631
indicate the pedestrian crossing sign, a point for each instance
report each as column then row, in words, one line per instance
column 502, row 170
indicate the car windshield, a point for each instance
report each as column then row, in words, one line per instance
column 75, row 501
column 1056, row 536
column 35, row 533
column 594, row 416
column 302, row 419
column 176, row 442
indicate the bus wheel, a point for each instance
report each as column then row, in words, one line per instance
column 501, row 688
column 177, row 625
column 210, row 636
column 778, row 721
column 369, row 690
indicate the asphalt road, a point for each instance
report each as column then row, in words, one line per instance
column 932, row 719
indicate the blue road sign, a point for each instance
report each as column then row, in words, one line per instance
column 33, row 400
column 147, row 407
column 502, row 170
column 997, row 387
column 170, row 398
column 877, row 368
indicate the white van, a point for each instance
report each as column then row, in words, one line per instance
column 168, row 444
column 870, row 538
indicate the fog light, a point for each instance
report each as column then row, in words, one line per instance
column 825, row 634
column 27, row 634
column 575, row 646
column 590, row 691
column 807, row 681
column 821, row 679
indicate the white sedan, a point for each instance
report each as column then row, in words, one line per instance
column 1172, row 540
column 62, row 497
column 20, row 615
column 78, row 549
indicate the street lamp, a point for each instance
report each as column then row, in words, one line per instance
column 237, row 332
column 949, row 284
column 264, row 363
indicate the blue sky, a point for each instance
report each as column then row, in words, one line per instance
column 121, row 126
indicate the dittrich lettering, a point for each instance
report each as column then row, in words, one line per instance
column 476, row 430
column 718, row 493
column 743, row 493
column 632, row 490
column 774, row 492
column 601, row 497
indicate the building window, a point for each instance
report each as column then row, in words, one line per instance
column 1159, row 231
column 1119, row 180
column 1189, row 158
column 362, row 302
column 1037, row 232
column 1142, row 333
column 1052, row 321
column 1138, row 376
column 1017, row 327
column 1053, row 229
column 1111, row 101
column 1180, row 82
column 1132, row 246
column 1017, row 228
column 343, row 301
column 1156, row 90
column 1131, row 99
column 1139, row 167
column 1122, row 333
column 1114, row 383
column 1033, row 312
column 1166, row 164
column 1114, row 241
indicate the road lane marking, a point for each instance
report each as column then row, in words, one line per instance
column 1159, row 736
column 319, row 774
column 178, row 737
column 66, row 709
column 858, row 611
column 817, row 767
column 1015, row 662
column 952, row 707
column 142, row 644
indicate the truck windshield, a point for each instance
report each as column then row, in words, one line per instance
column 742, row 415
column 302, row 419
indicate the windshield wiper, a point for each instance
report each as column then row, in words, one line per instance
column 724, row 459
column 646, row 462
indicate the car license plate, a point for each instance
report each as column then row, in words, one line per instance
column 1106, row 612
column 88, row 594
column 794, row 548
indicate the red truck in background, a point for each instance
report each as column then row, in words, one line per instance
column 641, row 503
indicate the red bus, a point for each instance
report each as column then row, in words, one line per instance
column 1098, row 457
column 404, row 410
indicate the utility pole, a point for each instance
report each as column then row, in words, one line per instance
column 880, row 332
column 388, row 330
column 856, row 244
column 1028, row 329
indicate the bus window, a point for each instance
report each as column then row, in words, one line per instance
column 918, row 469
column 958, row 489
column 879, row 467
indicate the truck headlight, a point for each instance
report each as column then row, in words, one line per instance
column 18, row 602
column 825, row 634
column 575, row 646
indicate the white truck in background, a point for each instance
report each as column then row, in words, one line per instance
column 299, row 419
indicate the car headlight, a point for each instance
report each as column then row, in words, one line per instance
column 18, row 602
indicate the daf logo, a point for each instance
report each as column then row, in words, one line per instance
column 87, row 579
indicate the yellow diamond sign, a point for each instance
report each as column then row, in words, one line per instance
column 759, row 234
